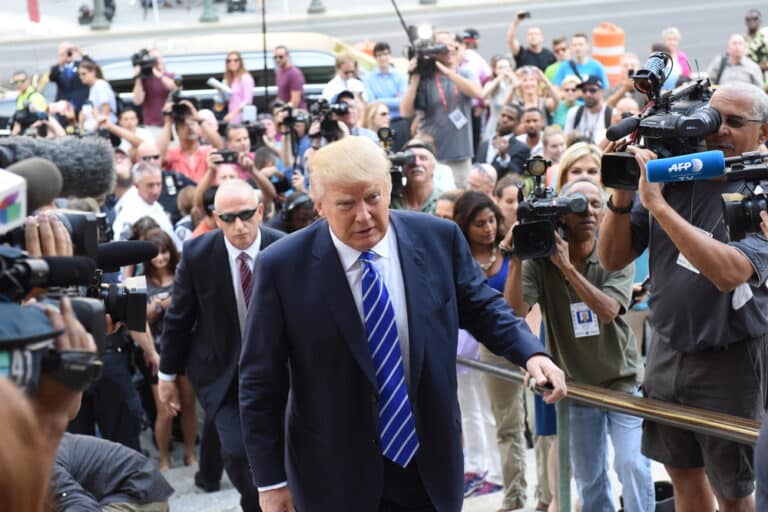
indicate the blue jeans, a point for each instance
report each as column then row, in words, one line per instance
column 590, row 428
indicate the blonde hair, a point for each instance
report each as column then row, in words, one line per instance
column 572, row 155
column 349, row 161
column 369, row 117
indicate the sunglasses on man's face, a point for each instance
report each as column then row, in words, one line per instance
column 752, row 18
column 148, row 158
column 243, row 215
column 738, row 122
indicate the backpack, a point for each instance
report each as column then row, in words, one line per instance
column 607, row 114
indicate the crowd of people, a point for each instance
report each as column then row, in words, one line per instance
column 265, row 225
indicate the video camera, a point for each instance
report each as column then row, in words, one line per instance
column 180, row 111
column 144, row 61
column 539, row 214
column 398, row 160
column 327, row 114
column 671, row 124
column 742, row 212
column 424, row 50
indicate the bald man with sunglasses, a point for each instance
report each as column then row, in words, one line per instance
column 204, row 324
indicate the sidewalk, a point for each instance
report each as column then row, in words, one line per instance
column 58, row 18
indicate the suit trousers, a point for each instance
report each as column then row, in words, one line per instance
column 211, row 466
column 506, row 399
column 227, row 421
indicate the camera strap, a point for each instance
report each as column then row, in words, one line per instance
column 441, row 92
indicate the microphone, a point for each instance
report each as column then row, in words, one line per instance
column 696, row 166
column 43, row 181
column 86, row 164
column 70, row 271
column 114, row 255
column 622, row 128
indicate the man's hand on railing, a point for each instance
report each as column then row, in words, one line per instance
column 546, row 373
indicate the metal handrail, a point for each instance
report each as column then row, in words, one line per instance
column 724, row 426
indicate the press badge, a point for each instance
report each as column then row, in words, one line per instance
column 683, row 261
column 457, row 118
column 584, row 321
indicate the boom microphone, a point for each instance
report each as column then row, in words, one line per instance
column 695, row 166
column 43, row 181
column 113, row 255
column 225, row 90
column 86, row 164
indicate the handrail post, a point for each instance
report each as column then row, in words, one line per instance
column 563, row 456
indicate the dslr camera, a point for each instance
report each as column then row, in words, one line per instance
column 539, row 214
column 675, row 123
column 327, row 114
column 398, row 160
column 144, row 61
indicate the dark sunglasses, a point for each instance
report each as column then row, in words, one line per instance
column 752, row 18
column 147, row 158
column 243, row 215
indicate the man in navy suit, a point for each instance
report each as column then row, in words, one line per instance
column 64, row 75
column 203, row 325
column 357, row 315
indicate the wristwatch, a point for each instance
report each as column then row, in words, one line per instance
column 615, row 209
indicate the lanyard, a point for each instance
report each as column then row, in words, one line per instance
column 442, row 93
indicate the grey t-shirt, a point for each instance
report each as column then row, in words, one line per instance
column 686, row 309
column 451, row 143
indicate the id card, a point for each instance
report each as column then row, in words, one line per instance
column 683, row 261
column 457, row 118
column 584, row 321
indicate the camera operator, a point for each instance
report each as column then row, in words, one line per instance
column 64, row 75
column 419, row 193
column 582, row 305
column 189, row 157
column 445, row 100
column 151, row 86
column 708, row 309
column 297, row 129
column 351, row 117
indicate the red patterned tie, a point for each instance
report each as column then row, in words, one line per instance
column 245, row 277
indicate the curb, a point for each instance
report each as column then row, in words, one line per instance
column 252, row 21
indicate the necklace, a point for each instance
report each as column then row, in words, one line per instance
column 491, row 261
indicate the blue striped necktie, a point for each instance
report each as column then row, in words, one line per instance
column 397, row 429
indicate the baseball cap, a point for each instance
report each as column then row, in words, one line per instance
column 346, row 93
column 591, row 80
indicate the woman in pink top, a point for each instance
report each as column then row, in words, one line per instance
column 241, row 82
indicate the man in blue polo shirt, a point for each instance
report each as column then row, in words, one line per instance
column 387, row 85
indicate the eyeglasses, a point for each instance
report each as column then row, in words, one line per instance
column 233, row 60
column 148, row 158
column 590, row 90
column 738, row 121
column 752, row 18
column 242, row 215
column 18, row 82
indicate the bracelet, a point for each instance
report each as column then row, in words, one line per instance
column 615, row 209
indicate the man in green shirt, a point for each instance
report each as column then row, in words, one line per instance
column 419, row 193
column 581, row 305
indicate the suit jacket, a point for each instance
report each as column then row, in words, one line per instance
column 69, row 88
column 201, row 331
column 304, row 318
column 518, row 153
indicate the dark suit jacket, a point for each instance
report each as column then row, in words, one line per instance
column 303, row 316
column 518, row 153
column 201, row 332
column 69, row 88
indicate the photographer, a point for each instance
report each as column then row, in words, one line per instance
column 445, row 100
column 151, row 85
column 708, row 309
column 189, row 157
column 535, row 54
column 419, row 193
column 582, row 304
column 64, row 75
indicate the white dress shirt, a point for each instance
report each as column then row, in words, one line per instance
column 234, row 266
column 131, row 207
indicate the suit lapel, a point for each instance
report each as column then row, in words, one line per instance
column 228, row 306
column 414, row 271
column 331, row 276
